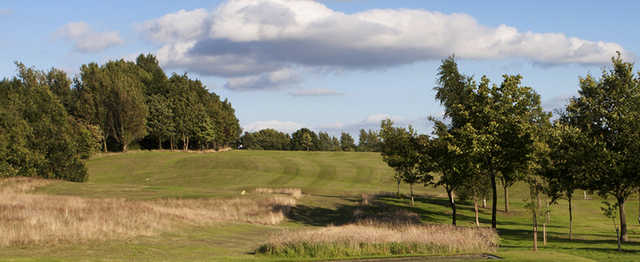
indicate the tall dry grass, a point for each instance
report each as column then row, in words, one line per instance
column 293, row 192
column 374, row 239
column 27, row 218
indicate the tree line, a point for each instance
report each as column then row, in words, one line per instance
column 499, row 134
column 49, row 122
column 305, row 139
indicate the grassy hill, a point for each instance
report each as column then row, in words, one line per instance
column 332, row 182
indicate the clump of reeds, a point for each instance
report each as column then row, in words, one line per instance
column 376, row 239
column 293, row 192
column 27, row 218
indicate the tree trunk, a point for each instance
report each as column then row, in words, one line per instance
column 452, row 202
column 124, row 147
column 495, row 200
column 171, row 143
column 618, row 238
column 411, row 188
column 159, row 143
column 544, row 234
column 506, row 198
column 484, row 202
column 104, row 144
column 475, row 206
column 570, row 220
column 623, row 221
column 535, row 231
column 398, row 192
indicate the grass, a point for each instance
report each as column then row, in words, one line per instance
column 376, row 239
column 333, row 186
column 36, row 219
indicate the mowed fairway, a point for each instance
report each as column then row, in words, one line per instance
column 332, row 183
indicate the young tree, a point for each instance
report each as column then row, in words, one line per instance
column 452, row 155
column 401, row 150
column 568, row 161
column 607, row 112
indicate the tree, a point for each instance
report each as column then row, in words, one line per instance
column 325, row 143
column 607, row 110
column 126, row 101
column 160, row 119
column 304, row 139
column 452, row 155
column 501, row 115
column 401, row 150
column 346, row 142
column 567, row 165
column 37, row 136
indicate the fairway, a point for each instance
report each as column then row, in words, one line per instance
column 332, row 184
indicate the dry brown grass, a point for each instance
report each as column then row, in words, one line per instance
column 381, row 239
column 293, row 192
column 27, row 218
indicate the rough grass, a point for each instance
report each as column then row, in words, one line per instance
column 374, row 239
column 27, row 218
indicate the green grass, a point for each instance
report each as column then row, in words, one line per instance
column 333, row 182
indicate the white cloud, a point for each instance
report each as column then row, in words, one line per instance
column 251, row 38
column 86, row 40
column 274, row 80
column 315, row 92
column 282, row 126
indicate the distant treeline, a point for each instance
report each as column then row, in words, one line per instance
column 49, row 122
column 306, row 140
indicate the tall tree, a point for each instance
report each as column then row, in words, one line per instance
column 502, row 116
column 607, row 110
column 126, row 101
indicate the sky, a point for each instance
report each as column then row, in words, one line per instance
column 330, row 65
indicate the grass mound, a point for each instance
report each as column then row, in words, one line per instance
column 358, row 240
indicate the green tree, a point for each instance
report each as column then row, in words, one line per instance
column 160, row 119
column 401, row 150
column 607, row 110
column 346, row 142
column 501, row 115
column 304, row 140
column 126, row 101
column 37, row 136
column 452, row 154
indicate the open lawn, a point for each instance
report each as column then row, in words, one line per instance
column 332, row 184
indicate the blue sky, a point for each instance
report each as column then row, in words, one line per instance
column 333, row 65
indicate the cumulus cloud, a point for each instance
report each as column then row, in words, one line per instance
column 315, row 92
column 282, row 126
column 85, row 40
column 252, row 38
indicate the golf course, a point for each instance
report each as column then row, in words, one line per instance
column 333, row 187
